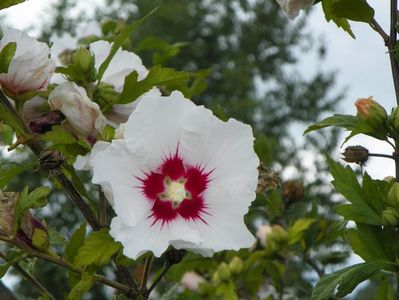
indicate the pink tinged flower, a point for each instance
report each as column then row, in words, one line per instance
column 180, row 177
column 192, row 280
column 292, row 7
column 83, row 114
column 262, row 233
column 30, row 69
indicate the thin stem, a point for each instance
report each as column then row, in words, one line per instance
column 313, row 264
column 102, row 208
column 374, row 24
column 65, row 264
column 392, row 46
column 146, row 271
column 29, row 277
column 381, row 155
column 158, row 279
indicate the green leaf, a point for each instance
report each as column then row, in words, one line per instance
column 38, row 198
column 6, row 55
column 10, row 119
column 157, row 76
column 58, row 135
column 6, row 175
column 364, row 243
column 81, row 287
column 346, row 280
column 97, row 249
column 339, row 21
column 4, row 268
column 356, row 10
column 296, row 230
column 344, row 121
column 385, row 290
column 118, row 43
column 75, row 242
column 346, row 183
column 8, row 3
column 263, row 147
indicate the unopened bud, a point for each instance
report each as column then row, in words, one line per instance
column 394, row 118
column 355, row 154
column 293, row 191
column 236, row 265
column 224, row 272
column 279, row 234
column 390, row 217
column 393, row 195
column 50, row 159
column 367, row 108
column 267, row 179
column 84, row 59
column 389, row 179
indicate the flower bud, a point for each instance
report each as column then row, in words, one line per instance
column 279, row 234
column 393, row 195
column 224, row 272
column 293, row 191
column 355, row 154
column 192, row 280
column 263, row 232
column 372, row 112
column 83, row 114
column 390, row 217
column 84, row 59
column 292, row 7
column 236, row 265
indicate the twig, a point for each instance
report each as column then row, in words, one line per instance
column 65, row 264
column 374, row 24
column 102, row 207
column 381, row 155
column 392, row 45
column 146, row 272
column 158, row 279
column 29, row 277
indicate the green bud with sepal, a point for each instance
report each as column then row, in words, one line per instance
column 236, row 265
column 373, row 117
column 393, row 195
column 223, row 272
column 390, row 217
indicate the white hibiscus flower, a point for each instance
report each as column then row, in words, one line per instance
column 122, row 64
column 292, row 7
column 30, row 69
column 180, row 177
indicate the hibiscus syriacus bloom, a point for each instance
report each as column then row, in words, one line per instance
column 84, row 115
column 292, row 7
column 30, row 69
column 180, row 177
column 123, row 63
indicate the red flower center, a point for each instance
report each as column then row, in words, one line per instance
column 176, row 188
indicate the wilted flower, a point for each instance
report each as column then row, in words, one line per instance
column 30, row 69
column 84, row 115
column 179, row 177
column 31, row 231
column 192, row 280
column 355, row 154
column 292, row 7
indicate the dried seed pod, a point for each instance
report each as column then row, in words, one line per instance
column 355, row 154
column 267, row 179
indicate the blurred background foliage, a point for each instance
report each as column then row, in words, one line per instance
column 250, row 54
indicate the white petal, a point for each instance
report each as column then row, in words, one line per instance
column 146, row 236
column 159, row 119
column 85, row 162
column 119, row 169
